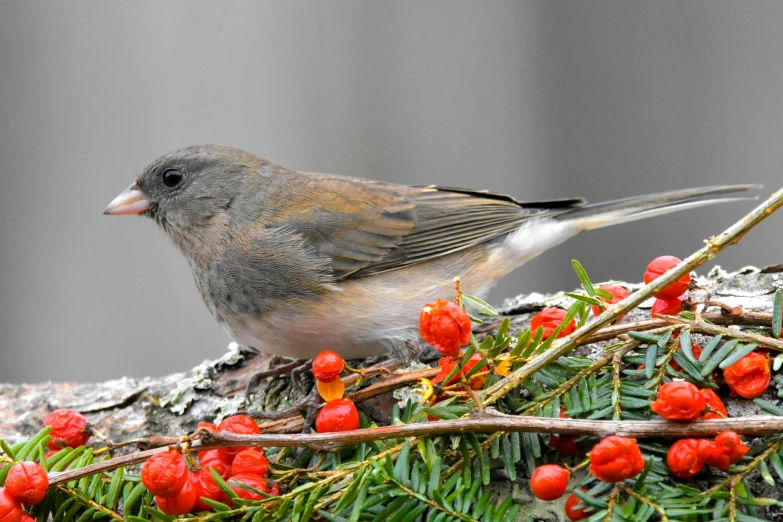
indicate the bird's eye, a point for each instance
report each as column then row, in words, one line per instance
column 172, row 177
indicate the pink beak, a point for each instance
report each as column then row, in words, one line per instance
column 131, row 201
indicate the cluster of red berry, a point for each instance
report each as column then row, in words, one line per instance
column 446, row 326
column 682, row 401
column 613, row 459
column 339, row 413
column 687, row 457
column 178, row 490
column 26, row 482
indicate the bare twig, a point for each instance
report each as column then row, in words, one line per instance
column 488, row 421
column 747, row 337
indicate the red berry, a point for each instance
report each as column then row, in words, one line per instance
column 549, row 482
column 549, row 319
column 679, row 400
column 241, row 424
column 749, row 377
column 27, row 518
column 445, row 326
column 658, row 267
column 10, row 509
column 27, row 482
column 254, row 481
column 216, row 459
column 69, row 429
column 205, row 486
column 618, row 294
column 727, row 449
column 667, row 306
column 181, row 503
column 327, row 366
column 716, row 407
column 165, row 473
column 207, row 426
column 615, row 459
column 249, row 461
column 572, row 511
column 687, row 457
column 337, row 415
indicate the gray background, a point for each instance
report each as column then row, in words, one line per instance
column 538, row 99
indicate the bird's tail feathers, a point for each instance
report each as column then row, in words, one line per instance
column 599, row 215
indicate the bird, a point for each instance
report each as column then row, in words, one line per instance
column 291, row 263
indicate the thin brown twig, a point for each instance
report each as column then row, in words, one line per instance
column 488, row 421
column 747, row 337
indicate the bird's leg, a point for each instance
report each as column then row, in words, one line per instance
column 256, row 378
column 297, row 374
column 313, row 402
column 297, row 371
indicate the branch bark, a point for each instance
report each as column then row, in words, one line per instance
column 486, row 421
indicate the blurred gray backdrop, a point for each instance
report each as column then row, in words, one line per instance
column 539, row 99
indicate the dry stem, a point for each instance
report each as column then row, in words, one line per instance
column 488, row 421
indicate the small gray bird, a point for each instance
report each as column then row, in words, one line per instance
column 292, row 263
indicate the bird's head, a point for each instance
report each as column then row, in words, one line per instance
column 186, row 189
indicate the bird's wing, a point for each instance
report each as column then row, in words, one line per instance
column 368, row 227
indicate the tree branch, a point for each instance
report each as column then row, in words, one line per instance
column 487, row 421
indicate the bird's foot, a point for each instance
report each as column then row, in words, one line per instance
column 293, row 367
